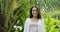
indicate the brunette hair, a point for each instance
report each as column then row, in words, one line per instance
column 38, row 10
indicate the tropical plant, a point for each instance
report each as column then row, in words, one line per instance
column 13, row 10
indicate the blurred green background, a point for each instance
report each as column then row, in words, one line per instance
column 13, row 14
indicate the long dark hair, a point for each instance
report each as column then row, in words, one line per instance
column 38, row 10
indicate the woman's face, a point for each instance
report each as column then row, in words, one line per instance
column 34, row 12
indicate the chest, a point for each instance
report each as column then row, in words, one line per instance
column 33, row 26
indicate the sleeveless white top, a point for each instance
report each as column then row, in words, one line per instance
column 34, row 27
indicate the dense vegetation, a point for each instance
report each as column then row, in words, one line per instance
column 15, row 12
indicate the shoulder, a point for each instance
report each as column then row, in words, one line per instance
column 27, row 19
column 41, row 20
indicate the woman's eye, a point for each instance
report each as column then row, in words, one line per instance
column 33, row 10
column 36, row 10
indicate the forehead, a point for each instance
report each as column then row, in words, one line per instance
column 34, row 8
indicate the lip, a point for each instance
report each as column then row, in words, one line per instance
column 34, row 13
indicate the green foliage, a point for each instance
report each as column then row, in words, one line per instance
column 51, row 24
column 18, row 10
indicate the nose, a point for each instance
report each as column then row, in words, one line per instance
column 35, row 11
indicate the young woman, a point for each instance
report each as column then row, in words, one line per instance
column 34, row 23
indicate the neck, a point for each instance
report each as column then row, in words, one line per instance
column 35, row 18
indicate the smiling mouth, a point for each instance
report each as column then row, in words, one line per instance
column 34, row 13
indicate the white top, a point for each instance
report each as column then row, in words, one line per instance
column 39, row 27
column 33, row 26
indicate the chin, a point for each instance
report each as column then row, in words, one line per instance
column 34, row 16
